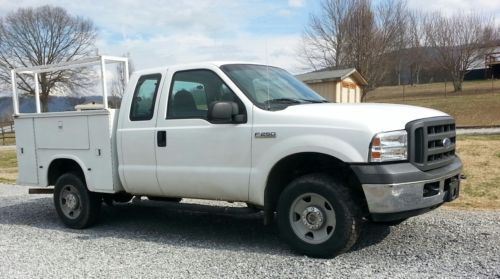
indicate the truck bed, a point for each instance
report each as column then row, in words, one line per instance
column 86, row 137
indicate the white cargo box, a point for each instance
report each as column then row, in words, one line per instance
column 86, row 137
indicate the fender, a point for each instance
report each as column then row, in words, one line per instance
column 45, row 177
column 263, row 162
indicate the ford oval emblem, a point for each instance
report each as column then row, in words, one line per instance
column 446, row 142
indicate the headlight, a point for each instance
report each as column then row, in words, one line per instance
column 389, row 146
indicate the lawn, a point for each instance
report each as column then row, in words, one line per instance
column 477, row 105
column 480, row 154
column 481, row 157
column 8, row 166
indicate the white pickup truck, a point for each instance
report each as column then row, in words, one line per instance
column 242, row 132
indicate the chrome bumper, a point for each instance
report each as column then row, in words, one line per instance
column 407, row 196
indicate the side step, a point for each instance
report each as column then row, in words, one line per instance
column 44, row 190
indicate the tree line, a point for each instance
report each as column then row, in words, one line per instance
column 379, row 39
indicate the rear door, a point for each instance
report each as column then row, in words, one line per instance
column 136, row 136
column 197, row 158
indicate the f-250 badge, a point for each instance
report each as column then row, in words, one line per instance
column 265, row 135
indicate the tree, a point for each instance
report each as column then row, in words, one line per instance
column 119, row 82
column 459, row 41
column 354, row 33
column 41, row 36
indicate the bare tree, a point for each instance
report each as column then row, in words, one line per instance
column 324, row 39
column 40, row 36
column 119, row 82
column 459, row 41
column 354, row 33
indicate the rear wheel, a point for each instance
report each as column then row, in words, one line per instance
column 317, row 216
column 76, row 206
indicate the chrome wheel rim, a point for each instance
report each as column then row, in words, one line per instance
column 70, row 202
column 312, row 218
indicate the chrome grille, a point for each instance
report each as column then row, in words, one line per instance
column 431, row 142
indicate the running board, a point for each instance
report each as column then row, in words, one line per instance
column 44, row 190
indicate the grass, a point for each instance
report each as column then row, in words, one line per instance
column 8, row 166
column 477, row 105
column 480, row 154
column 8, row 139
column 481, row 157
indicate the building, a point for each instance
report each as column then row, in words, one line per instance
column 339, row 86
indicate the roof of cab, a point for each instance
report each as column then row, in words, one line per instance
column 194, row 65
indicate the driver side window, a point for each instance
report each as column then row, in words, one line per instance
column 192, row 92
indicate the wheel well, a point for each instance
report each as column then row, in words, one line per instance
column 59, row 167
column 296, row 165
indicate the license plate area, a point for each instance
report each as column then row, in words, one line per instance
column 451, row 188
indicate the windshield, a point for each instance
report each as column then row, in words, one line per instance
column 270, row 88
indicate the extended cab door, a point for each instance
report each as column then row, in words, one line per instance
column 197, row 158
column 136, row 135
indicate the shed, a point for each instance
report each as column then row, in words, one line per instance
column 339, row 86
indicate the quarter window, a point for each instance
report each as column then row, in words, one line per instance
column 143, row 101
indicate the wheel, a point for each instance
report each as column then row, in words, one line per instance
column 76, row 206
column 317, row 216
column 165, row 199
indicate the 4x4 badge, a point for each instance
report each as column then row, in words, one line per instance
column 265, row 135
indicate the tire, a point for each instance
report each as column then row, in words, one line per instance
column 165, row 199
column 317, row 216
column 76, row 206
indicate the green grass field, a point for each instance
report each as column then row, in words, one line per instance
column 477, row 105
column 480, row 154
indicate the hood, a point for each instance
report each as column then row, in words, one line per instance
column 367, row 116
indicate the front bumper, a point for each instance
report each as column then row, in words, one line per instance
column 397, row 191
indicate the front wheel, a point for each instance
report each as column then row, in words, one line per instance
column 76, row 206
column 317, row 216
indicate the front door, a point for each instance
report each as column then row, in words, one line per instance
column 197, row 158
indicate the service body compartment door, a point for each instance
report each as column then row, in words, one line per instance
column 26, row 152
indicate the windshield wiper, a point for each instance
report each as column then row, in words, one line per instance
column 314, row 101
column 285, row 101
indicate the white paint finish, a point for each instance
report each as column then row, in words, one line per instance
column 204, row 160
column 26, row 152
column 62, row 132
column 136, row 145
column 94, row 126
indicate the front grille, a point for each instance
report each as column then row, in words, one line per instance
column 431, row 142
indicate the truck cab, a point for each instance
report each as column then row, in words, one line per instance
column 246, row 132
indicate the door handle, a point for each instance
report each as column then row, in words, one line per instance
column 161, row 138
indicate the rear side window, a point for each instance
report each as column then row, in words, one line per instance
column 143, row 102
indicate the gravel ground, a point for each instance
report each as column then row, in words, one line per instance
column 153, row 239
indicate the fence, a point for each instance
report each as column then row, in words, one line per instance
column 428, row 91
column 7, row 136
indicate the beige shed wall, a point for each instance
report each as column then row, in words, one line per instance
column 335, row 90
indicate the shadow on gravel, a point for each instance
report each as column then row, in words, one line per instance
column 183, row 225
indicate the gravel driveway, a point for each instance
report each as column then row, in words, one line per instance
column 160, row 240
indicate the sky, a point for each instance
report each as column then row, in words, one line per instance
column 165, row 32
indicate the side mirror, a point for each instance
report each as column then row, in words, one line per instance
column 225, row 112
